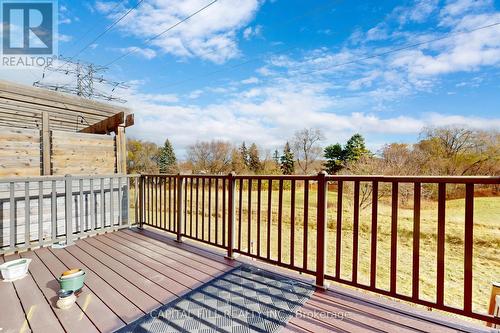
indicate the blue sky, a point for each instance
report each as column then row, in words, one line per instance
column 258, row 70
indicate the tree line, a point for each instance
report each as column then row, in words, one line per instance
column 439, row 151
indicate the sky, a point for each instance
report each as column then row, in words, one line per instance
column 259, row 70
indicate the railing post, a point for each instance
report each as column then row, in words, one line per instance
column 180, row 207
column 230, row 215
column 141, row 202
column 68, row 182
column 321, row 230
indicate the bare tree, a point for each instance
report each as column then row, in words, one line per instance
column 305, row 146
column 212, row 157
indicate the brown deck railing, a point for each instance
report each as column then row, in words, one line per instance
column 284, row 220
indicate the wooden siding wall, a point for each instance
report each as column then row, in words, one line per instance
column 22, row 106
column 22, row 154
column 19, row 152
column 104, row 196
column 77, row 153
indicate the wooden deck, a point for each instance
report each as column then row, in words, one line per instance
column 130, row 273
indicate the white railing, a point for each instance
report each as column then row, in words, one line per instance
column 39, row 211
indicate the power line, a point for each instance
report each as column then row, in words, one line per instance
column 111, row 26
column 86, row 33
column 399, row 49
column 339, row 64
column 147, row 41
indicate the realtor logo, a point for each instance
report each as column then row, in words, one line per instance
column 29, row 29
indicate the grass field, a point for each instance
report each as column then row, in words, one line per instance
column 486, row 239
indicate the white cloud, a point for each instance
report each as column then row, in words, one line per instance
column 252, row 32
column 143, row 52
column 210, row 35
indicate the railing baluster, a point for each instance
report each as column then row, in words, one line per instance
column 53, row 211
column 269, row 216
column 417, row 189
column 197, row 205
column 441, row 243
column 306, row 224
column 191, row 207
column 159, row 208
column 374, row 232
column 142, row 191
column 174, row 202
column 165, row 206
column 249, row 226
column 12, row 216
column 80, row 204
column 103, row 216
column 355, row 233
column 224, row 212
column 27, row 217
column 240, row 210
column 468, row 246
column 136, row 199
column 280, row 216
column 231, row 212
column 111, row 203
column 216, row 211
column 180, row 204
column 394, row 237
column 259, row 198
column 186, row 204
column 321, row 228
column 292, row 223
column 209, row 209
column 68, row 180
column 338, row 245
column 120, row 203
column 40, row 213
column 170, row 207
column 203, row 208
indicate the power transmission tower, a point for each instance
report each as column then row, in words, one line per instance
column 86, row 81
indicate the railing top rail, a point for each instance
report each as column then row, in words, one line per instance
column 419, row 179
column 366, row 178
column 61, row 178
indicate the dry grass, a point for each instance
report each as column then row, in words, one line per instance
column 486, row 240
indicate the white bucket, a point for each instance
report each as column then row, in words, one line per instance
column 15, row 269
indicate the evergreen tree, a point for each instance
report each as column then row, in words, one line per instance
column 244, row 154
column 167, row 162
column 334, row 155
column 254, row 163
column 276, row 157
column 355, row 148
column 287, row 161
column 337, row 157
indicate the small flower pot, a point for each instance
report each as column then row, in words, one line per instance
column 15, row 269
column 72, row 282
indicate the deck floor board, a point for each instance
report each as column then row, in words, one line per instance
column 100, row 314
column 131, row 272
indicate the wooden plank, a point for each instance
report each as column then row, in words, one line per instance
column 107, row 125
column 46, row 146
column 72, row 319
column 146, row 268
column 121, row 151
column 203, row 267
column 185, row 270
column 100, row 315
column 153, row 262
column 147, row 286
column 143, row 301
column 40, row 316
column 13, row 317
column 120, row 305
